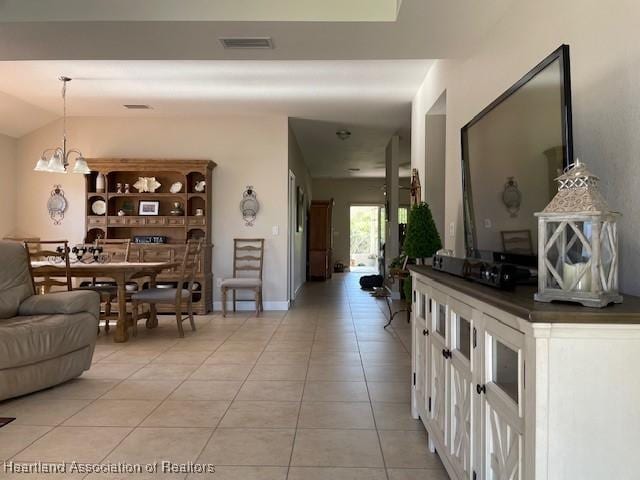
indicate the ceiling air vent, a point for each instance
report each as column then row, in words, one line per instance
column 247, row 42
column 137, row 106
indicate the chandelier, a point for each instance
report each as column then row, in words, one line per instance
column 56, row 160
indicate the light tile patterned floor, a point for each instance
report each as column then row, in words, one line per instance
column 319, row 392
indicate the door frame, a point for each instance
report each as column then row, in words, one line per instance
column 291, row 239
column 379, row 206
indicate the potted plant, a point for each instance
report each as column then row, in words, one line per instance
column 422, row 240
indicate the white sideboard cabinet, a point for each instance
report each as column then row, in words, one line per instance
column 509, row 389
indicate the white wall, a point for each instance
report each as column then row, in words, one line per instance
column 303, row 179
column 249, row 150
column 434, row 183
column 7, row 184
column 605, row 63
column 392, row 167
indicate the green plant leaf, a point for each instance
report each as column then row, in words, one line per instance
column 422, row 239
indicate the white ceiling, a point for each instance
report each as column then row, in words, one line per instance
column 423, row 29
column 189, row 10
column 327, row 156
column 366, row 93
column 335, row 63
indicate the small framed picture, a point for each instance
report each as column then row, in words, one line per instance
column 148, row 207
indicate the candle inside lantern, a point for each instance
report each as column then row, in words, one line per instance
column 572, row 272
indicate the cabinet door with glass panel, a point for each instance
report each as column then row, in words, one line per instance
column 502, row 402
column 462, row 369
column 421, row 294
column 437, row 354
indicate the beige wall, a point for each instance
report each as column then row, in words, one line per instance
column 303, row 179
column 7, row 184
column 434, row 183
column 248, row 151
column 605, row 64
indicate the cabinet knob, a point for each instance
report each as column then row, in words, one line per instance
column 446, row 353
column 425, row 332
column 481, row 389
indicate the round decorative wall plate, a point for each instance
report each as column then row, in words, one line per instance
column 57, row 204
column 99, row 207
column 249, row 206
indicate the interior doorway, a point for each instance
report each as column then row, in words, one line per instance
column 365, row 238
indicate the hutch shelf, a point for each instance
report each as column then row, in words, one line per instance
column 193, row 222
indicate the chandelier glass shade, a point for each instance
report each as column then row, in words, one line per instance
column 56, row 160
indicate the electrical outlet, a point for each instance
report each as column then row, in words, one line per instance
column 275, row 230
column 488, row 223
column 218, row 282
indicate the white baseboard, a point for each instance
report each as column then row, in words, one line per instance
column 249, row 306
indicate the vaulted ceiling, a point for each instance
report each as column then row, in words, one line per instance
column 365, row 93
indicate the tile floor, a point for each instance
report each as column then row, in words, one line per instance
column 319, row 392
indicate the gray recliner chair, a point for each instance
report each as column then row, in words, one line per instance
column 44, row 339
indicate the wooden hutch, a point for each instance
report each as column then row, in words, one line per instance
column 177, row 229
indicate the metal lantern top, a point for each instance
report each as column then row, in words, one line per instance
column 578, row 193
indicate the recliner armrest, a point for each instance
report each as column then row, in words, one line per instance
column 76, row 301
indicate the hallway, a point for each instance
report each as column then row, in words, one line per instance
column 319, row 392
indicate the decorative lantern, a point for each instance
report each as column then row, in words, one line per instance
column 578, row 243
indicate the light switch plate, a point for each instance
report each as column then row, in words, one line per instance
column 275, row 230
column 452, row 229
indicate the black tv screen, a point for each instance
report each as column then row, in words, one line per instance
column 511, row 154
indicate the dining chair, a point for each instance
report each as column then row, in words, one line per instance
column 248, row 255
column 54, row 251
column 177, row 296
column 113, row 250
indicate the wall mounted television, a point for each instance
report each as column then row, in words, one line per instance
column 511, row 153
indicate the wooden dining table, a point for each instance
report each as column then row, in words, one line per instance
column 121, row 273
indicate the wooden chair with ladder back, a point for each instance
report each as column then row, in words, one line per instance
column 113, row 250
column 50, row 251
column 180, row 295
column 248, row 256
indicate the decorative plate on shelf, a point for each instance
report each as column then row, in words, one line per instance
column 99, row 207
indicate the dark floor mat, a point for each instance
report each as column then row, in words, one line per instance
column 5, row 421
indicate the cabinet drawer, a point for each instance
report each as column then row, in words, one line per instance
column 135, row 221
column 117, row 220
column 152, row 254
column 175, row 221
column 155, row 221
column 93, row 221
column 197, row 220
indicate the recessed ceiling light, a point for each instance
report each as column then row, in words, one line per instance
column 343, row 134
column 137, row 106
column 247, row 42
